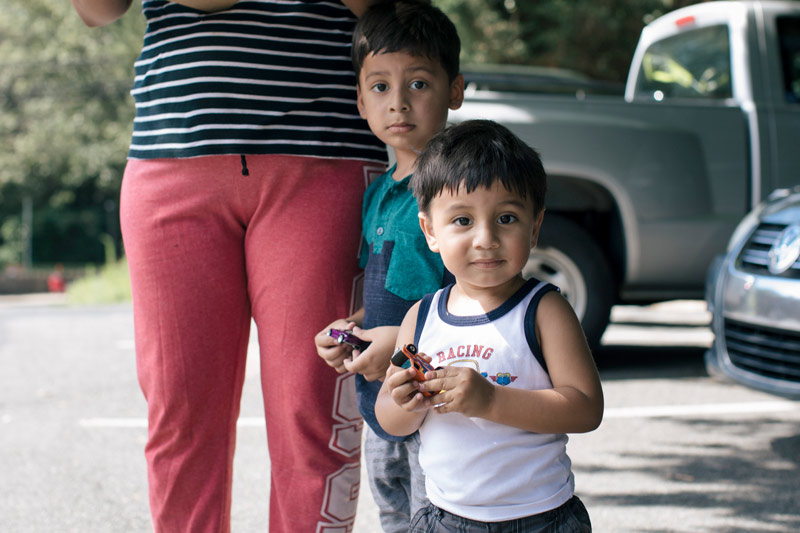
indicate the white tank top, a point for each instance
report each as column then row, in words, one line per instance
column 476, row 468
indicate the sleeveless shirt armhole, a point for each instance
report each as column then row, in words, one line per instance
column 422, row 315
column 530, row 322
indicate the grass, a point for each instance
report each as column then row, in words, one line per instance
column 108, row 284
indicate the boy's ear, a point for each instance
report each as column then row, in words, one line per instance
column 360, row 101
column 427, row 229
column 537, row 226
column 457, row 92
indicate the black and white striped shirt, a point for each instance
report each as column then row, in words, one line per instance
column 264, row 77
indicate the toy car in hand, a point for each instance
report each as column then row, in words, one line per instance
column 406, row 357
column 347, row 337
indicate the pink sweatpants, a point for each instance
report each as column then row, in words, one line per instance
column 211, row 241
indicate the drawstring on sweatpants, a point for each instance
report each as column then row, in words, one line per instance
column 245, row 172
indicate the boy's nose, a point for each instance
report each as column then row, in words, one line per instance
column 485, row 237
column 399, row 101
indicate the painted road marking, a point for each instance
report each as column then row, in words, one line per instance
column 244, row 421
column 654, row 411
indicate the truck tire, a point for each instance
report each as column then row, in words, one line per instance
column 569, row 258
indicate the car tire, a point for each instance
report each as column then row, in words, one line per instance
column 568, row 257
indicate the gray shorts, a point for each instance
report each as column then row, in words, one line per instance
column 571, row 517
column 396, row 479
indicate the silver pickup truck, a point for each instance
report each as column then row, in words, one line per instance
column 646, row 188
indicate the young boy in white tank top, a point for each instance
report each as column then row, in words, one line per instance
column 513, row 373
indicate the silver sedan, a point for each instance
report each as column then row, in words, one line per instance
column 753, row 293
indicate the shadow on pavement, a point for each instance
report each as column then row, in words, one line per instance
column 656, row 362
column 756, row 487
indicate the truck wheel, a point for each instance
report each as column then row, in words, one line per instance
column 568, row 257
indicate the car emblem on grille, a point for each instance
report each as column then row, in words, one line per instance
column 785, row 250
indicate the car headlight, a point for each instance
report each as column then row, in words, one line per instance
column 745, row 227
column 776, row 201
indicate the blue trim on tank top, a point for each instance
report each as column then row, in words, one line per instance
column 494, row 314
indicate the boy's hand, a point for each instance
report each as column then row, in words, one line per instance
column 405, row 389
column 332, row 352
column 373, row 362
column 463, row 391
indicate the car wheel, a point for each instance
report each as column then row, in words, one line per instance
column 568, row 257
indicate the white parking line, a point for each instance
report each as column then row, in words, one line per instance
column 110, row 423
column 125, row 344
column 654, row 411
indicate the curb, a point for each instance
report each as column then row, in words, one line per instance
column 37, row 299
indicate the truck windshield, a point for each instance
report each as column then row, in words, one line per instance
column 693, row 64
column 789, row 39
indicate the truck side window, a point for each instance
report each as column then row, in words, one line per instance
column 693, row 64
column 789, row 39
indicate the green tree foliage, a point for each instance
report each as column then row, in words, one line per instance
column 66, row 113
column 594, row 37
column 65, row 121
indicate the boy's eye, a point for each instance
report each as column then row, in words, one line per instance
column 380, row 87
column 461, row 221
column 506, row 219
column 418, row 84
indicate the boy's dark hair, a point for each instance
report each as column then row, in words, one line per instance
column 478, row 153
column 412, row 26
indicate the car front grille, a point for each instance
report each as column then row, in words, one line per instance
column 754, row 257
column 768, row 352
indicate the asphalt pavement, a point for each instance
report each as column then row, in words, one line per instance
column 677, row 450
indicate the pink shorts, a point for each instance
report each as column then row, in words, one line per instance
column 210, row 242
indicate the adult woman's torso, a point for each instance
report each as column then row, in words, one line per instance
column 264, row 77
